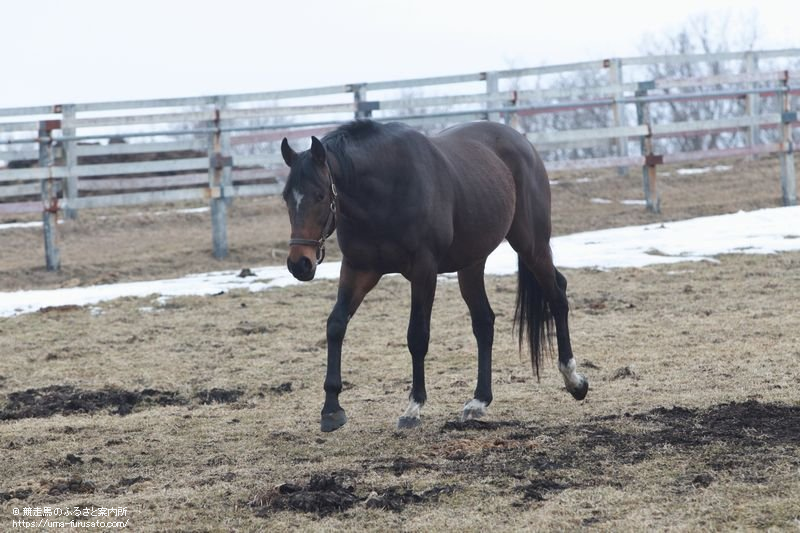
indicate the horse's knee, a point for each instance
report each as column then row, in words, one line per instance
column 418, row 340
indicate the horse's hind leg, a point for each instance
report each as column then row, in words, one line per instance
column 473, row 290
column 576, row 383
column 554, row 286
column 554, row 289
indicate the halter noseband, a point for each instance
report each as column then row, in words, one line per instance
column 326, row 230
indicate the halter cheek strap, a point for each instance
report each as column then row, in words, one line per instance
column 330, row 223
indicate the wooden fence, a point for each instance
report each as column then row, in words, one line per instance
column 217, row 148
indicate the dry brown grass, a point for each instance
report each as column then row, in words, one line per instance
column 692, row 421
column 621, row 460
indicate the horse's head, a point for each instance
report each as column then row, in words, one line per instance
column 310, row 196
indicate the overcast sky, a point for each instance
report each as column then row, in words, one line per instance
column 59, row 51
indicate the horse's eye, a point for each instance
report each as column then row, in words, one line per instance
column 319, row 197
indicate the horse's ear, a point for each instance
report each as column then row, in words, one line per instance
column 317, row 151
column 288, row 154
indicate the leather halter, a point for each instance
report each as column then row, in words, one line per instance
column 330, row 223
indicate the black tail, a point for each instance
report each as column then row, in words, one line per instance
column 532, row 317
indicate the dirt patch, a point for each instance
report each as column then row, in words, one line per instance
column 218, row 395
column 323, row 494
column 397, row 498
column 743, row 425
column 401, row 465
column 283, row 388
column 540, row 489
column 74, row 485
column 19, row 494
column 738, row 439
column 124, row 484
column 68, row 400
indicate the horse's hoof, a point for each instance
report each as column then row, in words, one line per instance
column 579, row 392
column 333, row 421
column 473, row 410
column 407, row 422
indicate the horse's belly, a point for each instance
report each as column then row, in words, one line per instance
column 480, row 226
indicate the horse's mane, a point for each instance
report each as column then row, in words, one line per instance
column 353, row 136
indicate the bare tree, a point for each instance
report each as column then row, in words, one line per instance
column 701, row 35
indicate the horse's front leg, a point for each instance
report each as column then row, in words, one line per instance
column 353, row 286
column 423, row 289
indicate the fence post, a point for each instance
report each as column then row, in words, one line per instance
column 615, row 78
column 363, row 108
column 752, row 102
column 216, row 188
column 49, row 196
column 225, row 150
column 492, row 88
column 70, row 147
column 649, row 183
column 512, row 117
column 788, row 176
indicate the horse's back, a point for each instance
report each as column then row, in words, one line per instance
column 510, row 146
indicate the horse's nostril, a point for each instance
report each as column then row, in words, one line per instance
column 304, row 265
column 300, row 268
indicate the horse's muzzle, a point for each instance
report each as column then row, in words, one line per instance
column 303, row 269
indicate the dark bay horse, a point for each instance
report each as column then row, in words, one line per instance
column 405, row 203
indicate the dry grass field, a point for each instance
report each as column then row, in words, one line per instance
column 202, row 413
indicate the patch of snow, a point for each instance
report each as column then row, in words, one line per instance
column 19, row 225
column 703, row 170
column 600, row 201
column 755, row 232
column 633, row 202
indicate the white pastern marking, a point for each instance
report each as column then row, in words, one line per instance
column 473, row 409
column 412, row 411
column 475, row 405
column 571, row 376
column 298, row 197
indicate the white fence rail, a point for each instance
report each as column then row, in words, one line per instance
column 215, row 148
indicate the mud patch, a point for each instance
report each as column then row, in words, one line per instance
column 68, row 400
column 19, row 494
column 75, row 485
column 324, row 494
column 217, row 395
column 283, row 388
column 540, row 489
column 732, row 439
column 124, row 484
column 397, row 498
column 401, row 465
column 746, row 424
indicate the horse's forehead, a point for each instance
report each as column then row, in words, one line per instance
column 302, row 174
